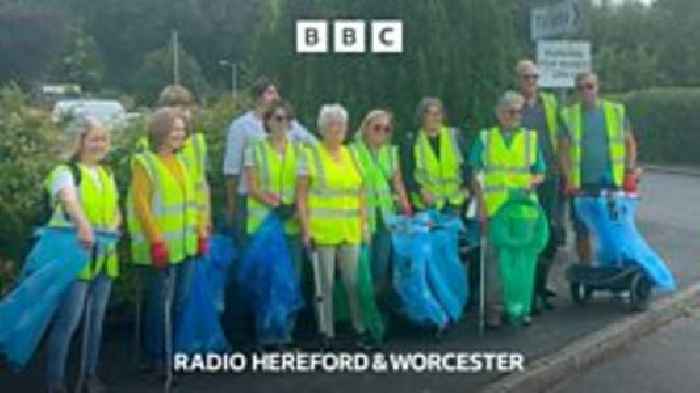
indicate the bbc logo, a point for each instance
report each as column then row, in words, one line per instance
column 349, row 36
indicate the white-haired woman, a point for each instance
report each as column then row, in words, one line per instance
column 379, row 164
column 508, row 158
column 333, row 217
column 83, row 195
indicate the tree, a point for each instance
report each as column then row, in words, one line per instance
column 80, row 61
column 157, row 72
column 29, row 41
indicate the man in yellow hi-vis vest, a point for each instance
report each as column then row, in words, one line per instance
column 541, row 113
column 600, row 152
column 505, row 159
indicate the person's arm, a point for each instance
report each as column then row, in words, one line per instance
column 400, row 189
column 364, row 221
column 408, row 166
column 233, row 160
column 631, row 151
column 67, row 196
column 539, row 170
column 302, row 195
column 142, row 193
column 475, row 162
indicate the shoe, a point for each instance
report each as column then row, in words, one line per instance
column 547, row 305
column 535, row 309
column 327, row 344
column 549, row 293
column 527, row 320
column 57, row 388
column 95, row 385
column 493, row 322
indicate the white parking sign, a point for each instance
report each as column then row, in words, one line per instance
column 559, row 61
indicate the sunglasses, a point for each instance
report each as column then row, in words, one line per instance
column 377, row 128
column 530, row 76
column 514, row 112
column 586, row 86
column 280, row 118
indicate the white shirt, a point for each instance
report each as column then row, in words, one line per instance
column 64, row 179
column 242, row 132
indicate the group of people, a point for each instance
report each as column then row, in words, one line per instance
column 333, row 194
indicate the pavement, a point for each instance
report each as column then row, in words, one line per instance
column 668, row 217
column 664, row 362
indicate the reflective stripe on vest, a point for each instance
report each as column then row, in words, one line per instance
column 174, row 208
column 614, row 124
column 506, row 169
column 442, row 176
column 277, row 176
column 334, row 197
column 100, row 204
column 377, row 171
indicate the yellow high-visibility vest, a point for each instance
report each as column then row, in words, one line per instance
column 194, row 154
column 175, row 210
column 377, row 172
column 442, row 176
column 615, row 126
column 334, row 197
column 507, row 168
column 100, row 203
column 276, row 174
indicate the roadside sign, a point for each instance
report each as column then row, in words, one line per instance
column 562, row 18
column 560, row 60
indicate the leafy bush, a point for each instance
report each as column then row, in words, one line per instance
column 27, row 153
column 666, row 123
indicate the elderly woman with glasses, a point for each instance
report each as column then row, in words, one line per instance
column 505, row 158
column 333, row 218
column 379, row 164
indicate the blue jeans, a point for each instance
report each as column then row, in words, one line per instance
column 174, row 282
column 68, row 318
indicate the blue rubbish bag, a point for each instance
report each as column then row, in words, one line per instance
column 270, row 284
column 216, row 265
column 198, row 329
column 446, row 273
column 611, row 220
column 50, row 268
column 428, row 277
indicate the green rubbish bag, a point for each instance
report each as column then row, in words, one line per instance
column 519, row 232
column 365, row 288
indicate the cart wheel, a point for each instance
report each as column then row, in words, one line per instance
column 640, row 292
column 581, row 293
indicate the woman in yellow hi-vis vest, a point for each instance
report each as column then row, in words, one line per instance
column 271, row 165
column 505, row 158
column 167, row 227
column 194, row 151
column 333, row 218
column 379, row 164
column 433, row 161
column 84, row 195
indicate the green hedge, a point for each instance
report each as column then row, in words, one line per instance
column 666, row 122
column 28, row 147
